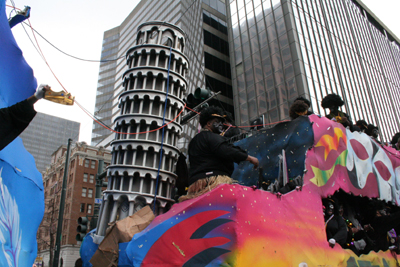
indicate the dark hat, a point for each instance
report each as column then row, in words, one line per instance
column 332, row 100
column 210, row 113
column 305, row 100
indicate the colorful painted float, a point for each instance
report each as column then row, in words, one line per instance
column 240, row 225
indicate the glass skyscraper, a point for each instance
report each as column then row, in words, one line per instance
column 280, row 49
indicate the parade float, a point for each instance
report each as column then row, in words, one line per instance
column 243, row 225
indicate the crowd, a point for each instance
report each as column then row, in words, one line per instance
column 361, row 224
column 333, row 102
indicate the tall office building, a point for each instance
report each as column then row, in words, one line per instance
column 45, row 134
column 204, row 23
column 280, row 49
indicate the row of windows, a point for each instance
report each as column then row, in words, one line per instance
column 109, row 52
column 87, row 192
column 153, row 82
column 89, row 208
column 218, row 5
column 140, row 157
column 107, row 46
column 216, row 43
column 111, row 38
column 136, row 183
column 91, row 178
column 215, row 22
column 217, row 65
column 92, row 163
column 218, row 85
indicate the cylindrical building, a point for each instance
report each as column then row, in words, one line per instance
column 132, row 174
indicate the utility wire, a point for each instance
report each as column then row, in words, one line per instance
column 78, row 58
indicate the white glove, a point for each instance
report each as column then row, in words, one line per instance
column 40, row 91
column 332, row 242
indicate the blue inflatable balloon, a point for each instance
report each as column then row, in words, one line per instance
column 21, row 185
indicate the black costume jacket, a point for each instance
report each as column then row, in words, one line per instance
column 337, row 229
column 14, row 120
column 210, row 154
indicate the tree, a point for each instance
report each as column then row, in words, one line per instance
column 49, row 226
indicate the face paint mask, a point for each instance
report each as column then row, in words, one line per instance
column 217, row 127
column 375, row 133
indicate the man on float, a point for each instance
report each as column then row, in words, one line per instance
column 211, row 156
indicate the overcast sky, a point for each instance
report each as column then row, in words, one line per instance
column 77, row 28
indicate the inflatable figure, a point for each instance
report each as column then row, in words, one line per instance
column 21, row 186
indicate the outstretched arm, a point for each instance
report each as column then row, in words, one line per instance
column 39, row 94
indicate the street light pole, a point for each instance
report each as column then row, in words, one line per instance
column 61, row 210
column 99, row 184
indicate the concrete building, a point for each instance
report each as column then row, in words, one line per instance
column 45, row 134
column 205, row 27
column 79, row 200
column 142, row 155
column 280, row 49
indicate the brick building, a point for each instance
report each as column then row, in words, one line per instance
column 79, row 199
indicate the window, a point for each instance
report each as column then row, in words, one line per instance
column 87, row 163
column 93, row 164
column 82, row 209
column 90, row 193
column 166, row 41
column 85, row 176
column 84, row 192
column 89, row 208
column 91, row 180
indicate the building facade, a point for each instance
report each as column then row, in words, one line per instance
column 79, row 199
column 281, row 49
column 278, row 50
column 45, row 134
column 205, row 27
column 143, row 155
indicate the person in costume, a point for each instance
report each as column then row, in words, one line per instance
column 381, row 224
column 297, row 109
column 16, row 118
column 307, row 102
column 333, row 102
column 363, row 125
column 335, row 226
column 395, row 142
column 372, row 131
column 211, row 156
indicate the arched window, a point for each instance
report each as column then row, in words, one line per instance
column 167, row 38
column 125, row 186
column 153, row 37
column 136, row 182
column 139, row 156
column 129, row 156
column 149, row 81
column 150, row 157
column 147, row 184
